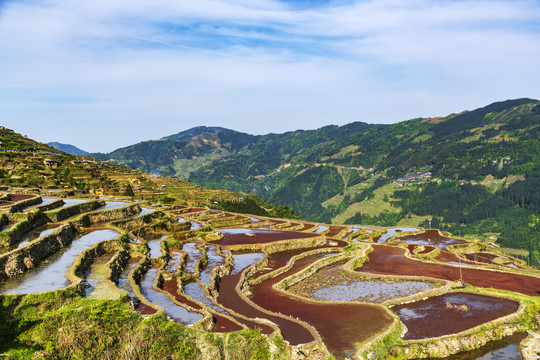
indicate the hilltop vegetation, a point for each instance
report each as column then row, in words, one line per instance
column 22, row 164
column 474, row 172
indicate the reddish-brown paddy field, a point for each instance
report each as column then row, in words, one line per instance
column 433, row 238
column 390, row 260
column 451, row 313
column 341, row 326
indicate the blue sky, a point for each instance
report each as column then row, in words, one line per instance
column 104, row 74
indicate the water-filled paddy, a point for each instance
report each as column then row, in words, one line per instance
column 123, row 282
column 451, row 313
column 178, row 313
column 252, row 236
column 176, row 257
column 336, row 323
column 154, row 244
column 145, row 211
column 214, row 259
column 50, row 274
column 109, row 205
column 193, row 255
column 44, row 201
column 391, row 232
column 333, row 284
column 70, row 202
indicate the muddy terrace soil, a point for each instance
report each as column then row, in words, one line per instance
column 334, row 231
column 229, row 298
column 222, row 323
column 338, row 324
column 239, row 237
column 451, row 313
column 332, row 283
column 15, row 198
column 280, row 259
column 390, row 260
column 433, row 238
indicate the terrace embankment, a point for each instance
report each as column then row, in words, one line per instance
column 20, row 260
column 24, row 224
column 51, row 275
column 68, row 211
column 390, row 260
column 337, row 324
column 19, row 202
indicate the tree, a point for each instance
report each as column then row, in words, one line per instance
column 129, row 191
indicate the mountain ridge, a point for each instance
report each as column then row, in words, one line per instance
column 68, row 148
column 355, row 173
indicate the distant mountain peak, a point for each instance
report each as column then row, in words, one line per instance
column 196, row 131
column 67, row 148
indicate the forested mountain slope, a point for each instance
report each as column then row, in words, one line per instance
column 475, row 171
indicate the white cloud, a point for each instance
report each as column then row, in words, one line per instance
column 146, row 69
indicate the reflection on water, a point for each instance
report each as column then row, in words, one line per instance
column 195, row 225
column 123, row 282
column 50, row 274
column 70, row 202
column 375, row 291
column 178, row 313
column 391, row 232
column 194, row 254
column 214, row 259
column 176, row 256
column 44, row 201
column 37, row 233
column 155, row 246
column 109, row 205
column 145, row 211
column 242, row 261
column 196, row 292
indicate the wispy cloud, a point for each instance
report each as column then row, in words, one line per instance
column 104, row 74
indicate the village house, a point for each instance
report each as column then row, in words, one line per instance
column 50, row 163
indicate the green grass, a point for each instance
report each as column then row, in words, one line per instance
column 60, row 325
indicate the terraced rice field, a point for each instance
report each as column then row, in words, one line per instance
column 324, row 291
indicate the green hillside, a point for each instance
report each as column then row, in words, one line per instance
column 475, row 172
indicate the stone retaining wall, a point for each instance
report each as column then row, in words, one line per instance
column 18, row 261
column 108, row 215
column 278, row 246
column 68, row 211
column 19, row 206
column 29, row 222
column 138, row 221
column 52, row 205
